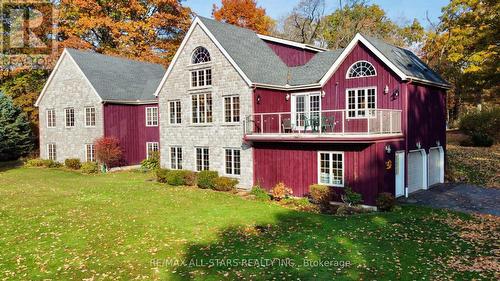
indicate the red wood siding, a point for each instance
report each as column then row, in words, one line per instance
column 128, row 124
column 291, row 56
column 297, row 166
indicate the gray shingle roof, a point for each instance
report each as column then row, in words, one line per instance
column 261, row 65
column 119, row 79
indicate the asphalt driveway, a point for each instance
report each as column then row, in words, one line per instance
column 458, row 197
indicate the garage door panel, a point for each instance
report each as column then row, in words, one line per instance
column 435, row 166
column 415, row 171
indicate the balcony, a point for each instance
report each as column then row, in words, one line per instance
column 326, row 125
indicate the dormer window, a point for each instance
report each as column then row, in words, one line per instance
column 200, row 55
column 361, row 69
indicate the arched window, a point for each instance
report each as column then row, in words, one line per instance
column 200, row 55
column 361, row 69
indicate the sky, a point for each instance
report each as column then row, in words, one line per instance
column 400, row 11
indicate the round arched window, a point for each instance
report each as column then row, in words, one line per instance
column 361, row 69
column 200, row 55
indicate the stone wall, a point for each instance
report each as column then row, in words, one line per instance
column 216, row 135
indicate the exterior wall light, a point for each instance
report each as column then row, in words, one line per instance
column 419, row 145
column 386, row 89
column 287, row 97
column 388, row 149
column 258, row 99
column 323, row 94
column 438, row 143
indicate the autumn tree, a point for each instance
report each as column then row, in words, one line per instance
column 303, row 24
column 244, row 13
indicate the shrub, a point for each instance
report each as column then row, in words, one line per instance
column 46, row 163
column 190, row 178
column 73, row 163
column 161, row 175
column 322, row 194
column 260, row 193
column 53, row 164
column 90, row 168
column 108, row 151
column 301, row 204
column 351, row 198
column 385, row 201
column 176, row 177
column 153, row 162
column 482, row 127
column 206, row 179
column 225, row 184
column 281, row 191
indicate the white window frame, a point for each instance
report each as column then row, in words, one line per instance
column 307, row 107
column 200, row 63
column 176, row 164
column 232, row 173
column 153, row 122
column 233, row 116
column 204, row 75
column 202, row 158
column 153, row 144
column 51, row 149
column 331, row 168
column 88, row 123
column 92, row 152
column 352, row 65
column 66, row 110
column 51, row 112
column 369, row 112
column 177, row 112
column 206, row 111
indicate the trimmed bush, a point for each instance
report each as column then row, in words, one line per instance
column 225, row 184
column 176, row 177
column 281, row 191
column 206, row 179
column 90, row 168
column 73, row 163
column 153, row 162
column 190, row 178
column 321, row 194
column 352, row 198
column 37, row 162
column 161, row 175
column 385, row 201
column 483, row 127
column 260, row 193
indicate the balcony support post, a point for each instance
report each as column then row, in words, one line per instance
column 343, row 122
column 262, row 123
column 279, row 122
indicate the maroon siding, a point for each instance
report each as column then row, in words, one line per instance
column 291, row 56
column 128, row 124
column 297, row 166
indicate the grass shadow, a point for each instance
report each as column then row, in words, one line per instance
column 9, row 165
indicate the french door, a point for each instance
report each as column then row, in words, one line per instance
column 306, row 109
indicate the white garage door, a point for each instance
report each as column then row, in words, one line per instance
column 436, row 167
column 416, row 171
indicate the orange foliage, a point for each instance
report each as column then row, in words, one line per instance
column 244, row 13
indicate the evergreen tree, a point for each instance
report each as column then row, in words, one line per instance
column 16, row 137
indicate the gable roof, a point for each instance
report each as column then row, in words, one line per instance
column 115, row 79
column 260, row 66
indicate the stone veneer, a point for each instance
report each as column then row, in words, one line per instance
column 69, row 88
column 216, row 135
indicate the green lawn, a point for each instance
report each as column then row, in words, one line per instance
column 62, row 225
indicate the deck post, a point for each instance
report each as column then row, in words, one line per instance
column 279, row 122
column 343, row 122
column 390, row 122
column 381, row 129
column 262, row 123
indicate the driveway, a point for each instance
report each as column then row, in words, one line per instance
column 458, row 197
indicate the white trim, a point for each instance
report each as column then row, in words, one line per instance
column 56, row 68
column 85, row 116
column 152, row 143
column 136, row 102
column 196, row 22
column 293, row 106
column 401, row 172
column 169, row 111
column 66, row 117
column 349, row 69
column 441, row 163
column 55, row 151
column 367, row 115
column 424, row 167
column 224, row 122
column 175, row 147
column 47, row 118
column 318, row 155
column 197, row 70
column 157, row 116
column 92, row 153
column 232, row 161
column 291, row 43
column 202, row 160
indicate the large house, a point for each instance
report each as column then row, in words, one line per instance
column 264, row 110
column 88, row 96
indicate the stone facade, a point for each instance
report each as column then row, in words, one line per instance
column 69, row 88
column 218, row 135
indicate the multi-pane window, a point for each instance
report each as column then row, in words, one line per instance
column 51, row 151
column 51, row 118
column 232, row 109
column 233, row 162
column 361, row 69
column 331, row 168
column 151, row 147
column 151, row 116
column 361, row 103
column 200, row 55
column 89, row 116
column 202, row 108
column 175, row 112
column 202, row 159
column 305, row 108
column 176, row 158
column 69, row 114
column 89, row 153
column 201, row 77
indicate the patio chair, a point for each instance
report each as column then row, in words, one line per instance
column 286, row 126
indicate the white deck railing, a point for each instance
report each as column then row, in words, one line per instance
column 325, row 122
